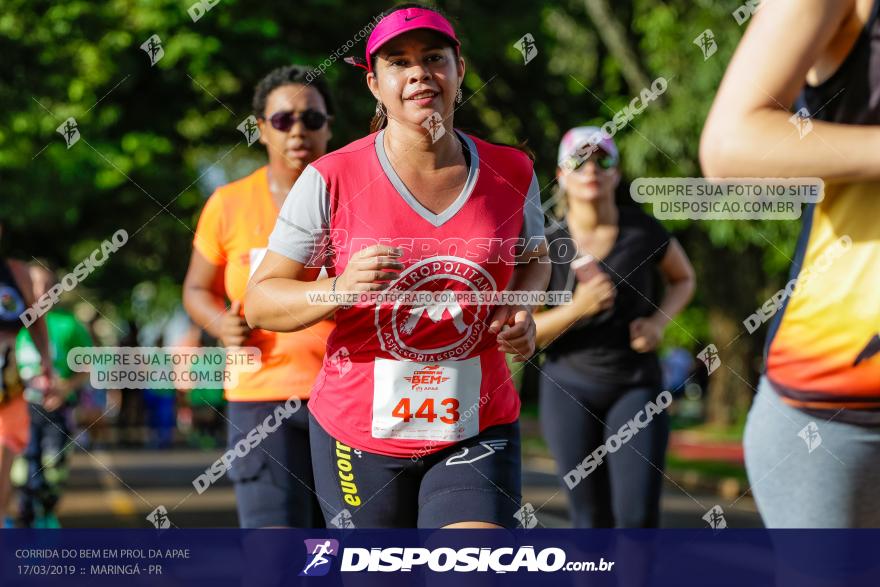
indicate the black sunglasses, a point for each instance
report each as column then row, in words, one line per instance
column 285, row 119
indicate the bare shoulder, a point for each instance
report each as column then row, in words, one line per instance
column 835, row 52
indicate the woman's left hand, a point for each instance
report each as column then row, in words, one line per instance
column 47, row 382
column 645, row 334
column 515, row 328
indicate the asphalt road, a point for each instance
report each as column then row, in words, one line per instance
column 119, row 488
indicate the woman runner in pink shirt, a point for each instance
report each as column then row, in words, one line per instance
column 414, row 416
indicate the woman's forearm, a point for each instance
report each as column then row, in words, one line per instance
column 283, row 305
column 676, row 297
column 535, row 276
column 551, row 324
column 40, row 337
column 531, row 276
column 205, row 308
column 834, row 152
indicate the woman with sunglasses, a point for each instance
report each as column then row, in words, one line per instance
column 414, row 416
column 601, row 368
column 273, row 483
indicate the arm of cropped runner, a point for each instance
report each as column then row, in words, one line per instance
column 748, row 132
column 678, row 273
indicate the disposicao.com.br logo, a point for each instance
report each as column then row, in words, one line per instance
column 443, row 559
column 320, row 552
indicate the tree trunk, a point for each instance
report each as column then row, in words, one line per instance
column 731, row 385
column 728, row 280
column 613, row 35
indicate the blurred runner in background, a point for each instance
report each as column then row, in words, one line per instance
column 43, row 469
column 206, row 406
column 131, row 421
column 161, row 413
column 93, row 414
column 16, row 295
column 602, row 368
column 273, row 483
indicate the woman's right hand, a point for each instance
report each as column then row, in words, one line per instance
column 234, row 329
column 370, row 269
column 592, row 296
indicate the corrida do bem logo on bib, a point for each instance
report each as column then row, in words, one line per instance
column 440, row 331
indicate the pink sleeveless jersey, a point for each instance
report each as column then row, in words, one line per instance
column 408, row 380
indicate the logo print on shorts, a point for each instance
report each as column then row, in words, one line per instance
column 319, row 554
column 442, row 331
column 490, row 446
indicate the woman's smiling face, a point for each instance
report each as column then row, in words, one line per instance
column 415, row 75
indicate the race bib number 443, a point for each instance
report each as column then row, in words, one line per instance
column 426, row 401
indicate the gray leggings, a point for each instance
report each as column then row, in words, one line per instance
column 834, row 485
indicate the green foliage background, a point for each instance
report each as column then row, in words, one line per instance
column 156, row 139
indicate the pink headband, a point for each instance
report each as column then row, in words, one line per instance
column 402, row 21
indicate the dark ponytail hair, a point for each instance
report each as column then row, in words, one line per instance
column 380, row 119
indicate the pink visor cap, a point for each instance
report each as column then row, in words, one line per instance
column 403, row 21
column 582, row 141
